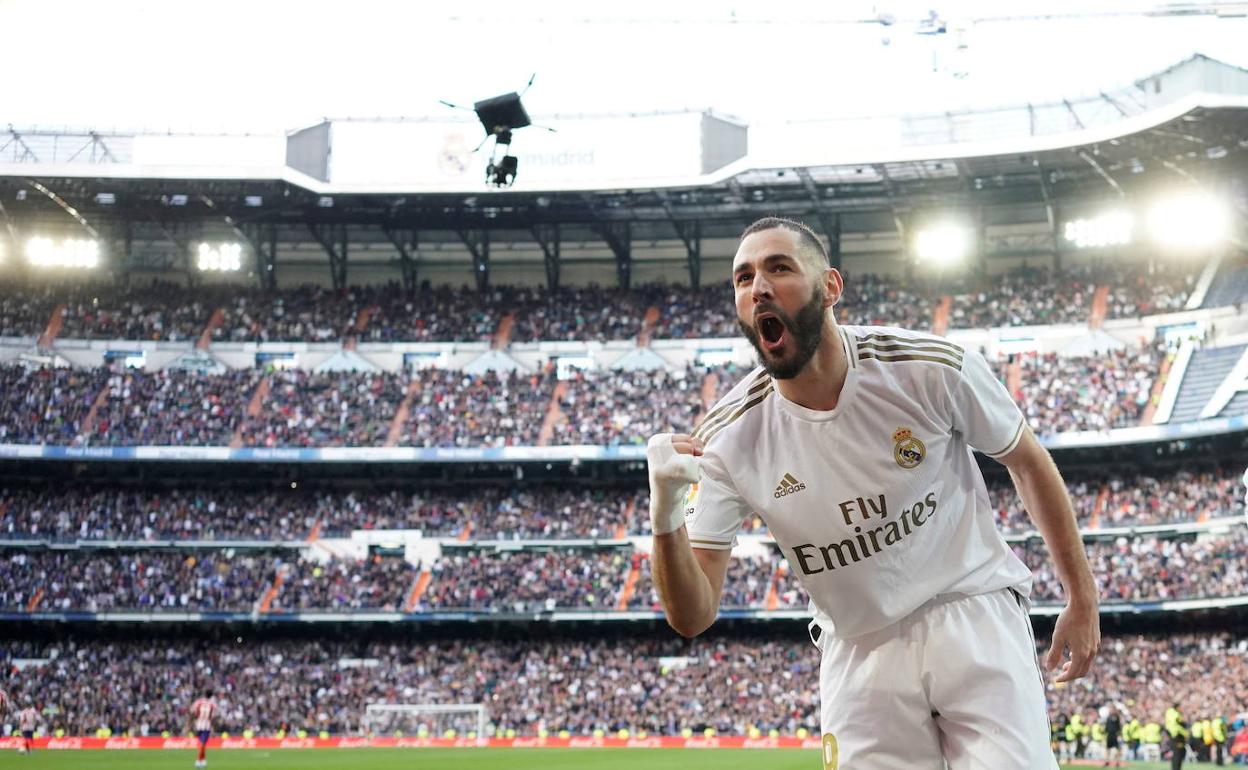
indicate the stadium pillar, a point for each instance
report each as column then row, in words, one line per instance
column 333, row 238
column 831, row 225
column 619, row 236
column 478, row 243
column 181, row 236
column 124, row 236
column 263, row 240
column 548, row 238
column 405, row 241
column 691, row 234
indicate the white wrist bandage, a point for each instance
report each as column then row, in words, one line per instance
column 671, row 473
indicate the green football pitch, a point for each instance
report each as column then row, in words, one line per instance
column 437, row 759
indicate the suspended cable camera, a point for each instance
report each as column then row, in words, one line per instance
column 500, row 116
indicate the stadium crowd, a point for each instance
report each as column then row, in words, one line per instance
column 1136, row 569
column 161, row 310
column 320, row 409
column 100, row 511
column 379, row 583
column 171, row 407
column 1151, row 568
column 452, row 408
column 660, row 686
column 1101, row 392
column 97, row 581
column 527, row 581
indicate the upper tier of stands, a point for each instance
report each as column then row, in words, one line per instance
column 384, row 313
column 449, row 408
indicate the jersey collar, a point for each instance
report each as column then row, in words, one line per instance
column 847, row 392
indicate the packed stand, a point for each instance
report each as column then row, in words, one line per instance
column 153, row 311
column 326, row 409
column 1151, row 568
column 441, row 314
column 98, row 581
column 1097, row 393
column 1184, row 495
column 584, row 313
column 1142, row 676
column 1136, row 292
column 876, row 300
column 300, row 314
column 1025, row 297
column 25, row 312
column 100, row 511
column 384, row 313
column 95, row 511
column 46, row 406
column 172, row 407
column 658, row 686
column 628, row 406
column 457, row 409
column 376, row 582
column 526, row 581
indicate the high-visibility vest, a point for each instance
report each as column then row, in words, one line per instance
column 1132, row 731
column 1151, row 733
column 1219, row 730
column 1098, row 732
column 1174, row 723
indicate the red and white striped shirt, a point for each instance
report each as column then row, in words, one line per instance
column 203, row 710
column 27, row 719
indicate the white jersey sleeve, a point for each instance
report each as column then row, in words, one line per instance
column 983, row 411
column 714, row 511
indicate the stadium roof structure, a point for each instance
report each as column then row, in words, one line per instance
column 1018, row 166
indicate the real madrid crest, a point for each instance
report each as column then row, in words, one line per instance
column 908, row 450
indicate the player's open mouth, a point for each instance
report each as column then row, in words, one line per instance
column 771, row 332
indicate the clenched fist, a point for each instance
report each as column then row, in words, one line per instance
column 672, row 462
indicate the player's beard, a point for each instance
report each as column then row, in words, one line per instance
column 805, row 330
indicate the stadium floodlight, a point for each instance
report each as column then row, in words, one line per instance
column 944, row 244
column 222, row 258
column 1189, row 220
column 1112, row 228
column 71, row 252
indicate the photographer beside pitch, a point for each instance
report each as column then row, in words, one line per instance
column 854, row 445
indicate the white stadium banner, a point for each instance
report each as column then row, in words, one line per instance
column 584, row 152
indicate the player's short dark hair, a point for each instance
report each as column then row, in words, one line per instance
column 805, row 234
column 208, row 693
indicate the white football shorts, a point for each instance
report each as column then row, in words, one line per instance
column 955, row 685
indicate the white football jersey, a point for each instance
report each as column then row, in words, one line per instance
column 878, row 504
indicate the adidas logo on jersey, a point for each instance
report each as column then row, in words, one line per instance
column 788, row 486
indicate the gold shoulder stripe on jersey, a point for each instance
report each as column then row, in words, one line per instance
column 891, row 358
column 759, row 380
column 1018, row 432
column 888, row 347
column 747, row 406
column 878, row 337
column 717, row 416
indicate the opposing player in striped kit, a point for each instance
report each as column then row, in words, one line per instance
column 854, row 444
column 27, row 723
column 202, row 712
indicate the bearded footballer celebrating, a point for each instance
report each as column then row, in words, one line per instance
column 855, row 446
